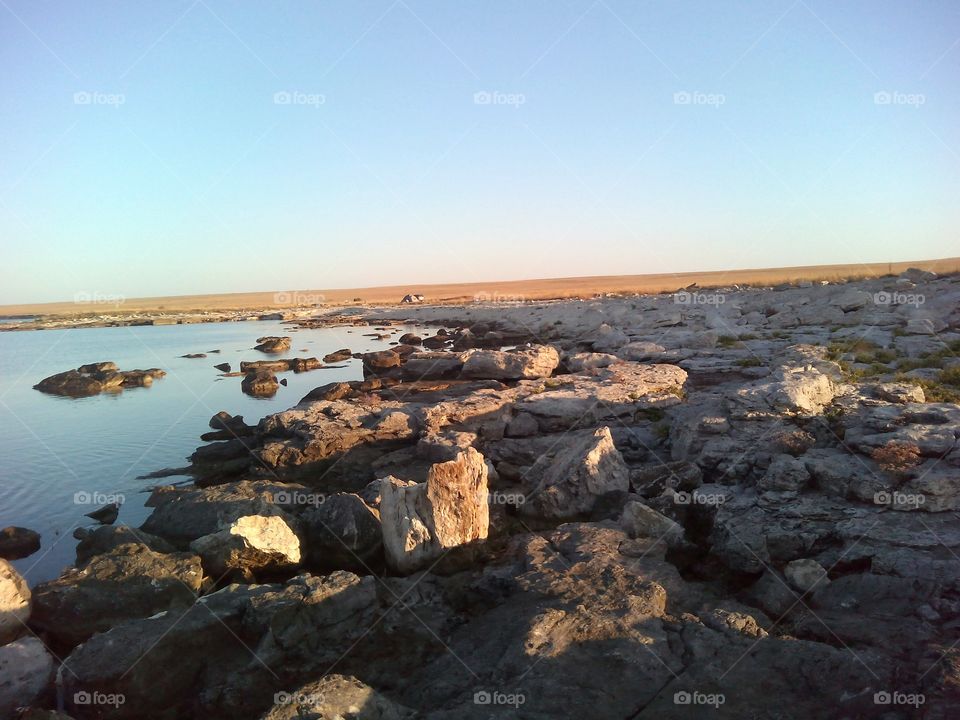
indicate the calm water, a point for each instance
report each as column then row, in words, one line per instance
column 52, row 448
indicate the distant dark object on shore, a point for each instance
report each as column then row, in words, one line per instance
column 408, row 299
column 96, row 378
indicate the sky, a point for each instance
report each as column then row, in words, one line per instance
column 199, row 146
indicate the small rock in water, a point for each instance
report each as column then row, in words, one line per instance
column 106, row 515
column 18, row 542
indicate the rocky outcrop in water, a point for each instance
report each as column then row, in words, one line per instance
column 96, row 378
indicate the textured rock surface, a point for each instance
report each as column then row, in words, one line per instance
column 421, row 521
column 14, row 603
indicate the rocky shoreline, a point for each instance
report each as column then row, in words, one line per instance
column 735, row 503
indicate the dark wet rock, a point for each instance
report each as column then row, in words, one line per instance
column 26, row 674
column 376, row 362
column 273, row 344
column 343, row 532
column 338, row 356
column 107, row 537
column 329, row 392
column 129, row 581
column 106, row 515
column 410, row 339
column 18, row 542
column 194, row 356
column 261, row 383
column 93, row 379
column 223, row 367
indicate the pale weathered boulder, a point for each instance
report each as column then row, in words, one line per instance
column 14, row 603
column 785, row 472
column 535, row 361
column 572, row 482
column 586, row 361
column 805, row 574
column 902, row 393
column 26, row 673
column 642, row 521
column 248, row 545
column 422, row 520
column 640, row 351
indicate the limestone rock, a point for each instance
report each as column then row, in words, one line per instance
column 421, row 521
column 536, row 361
column 571, row 483
column 26, row 673
column 805, row 574
column 249, row 545
column 14, row 603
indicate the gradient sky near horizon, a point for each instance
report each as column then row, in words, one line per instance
column 201, row 146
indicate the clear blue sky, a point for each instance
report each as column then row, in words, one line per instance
column 383, row 168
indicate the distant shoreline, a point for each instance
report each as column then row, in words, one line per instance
column 99, row 310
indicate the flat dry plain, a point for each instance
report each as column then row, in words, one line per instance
column 544, row 289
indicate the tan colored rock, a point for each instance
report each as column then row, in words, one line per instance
column 249, row 544
column 536, row 361
column 570, row 483
column 421, row 521
column 14, row 603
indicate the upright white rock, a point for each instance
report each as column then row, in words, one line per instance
column 422, row 520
